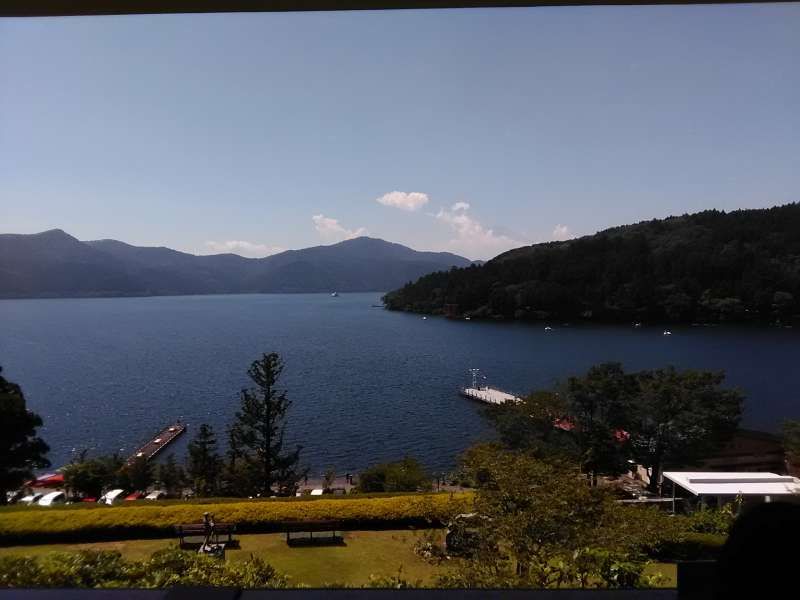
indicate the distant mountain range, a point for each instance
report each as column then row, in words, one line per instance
column 55, row 264
column 706, row 267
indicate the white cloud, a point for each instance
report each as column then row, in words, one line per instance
column 331, row 230
column 242, row 248
column 471, row 238
column 404, row 200
column 561, row 232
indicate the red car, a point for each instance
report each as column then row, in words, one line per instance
column 135, row 496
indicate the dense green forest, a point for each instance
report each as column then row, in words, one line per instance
column 706, row 267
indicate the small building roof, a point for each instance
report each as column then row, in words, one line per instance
column 713, row 483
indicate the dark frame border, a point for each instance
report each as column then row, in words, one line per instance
column 54, row 8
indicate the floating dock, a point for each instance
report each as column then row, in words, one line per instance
column 489, row 395
column 163, row 439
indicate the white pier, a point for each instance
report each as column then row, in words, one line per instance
column 489, row 395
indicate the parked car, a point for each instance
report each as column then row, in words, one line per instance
column 111, row 497
column 52, row 499
column 156, row 495
column 134, row 496
column 30, row 499
column 15, row 496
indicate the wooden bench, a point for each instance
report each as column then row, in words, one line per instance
column 193, row 534
column 302, row 533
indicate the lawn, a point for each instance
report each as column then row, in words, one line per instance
column 365, row 553
column 668, row 572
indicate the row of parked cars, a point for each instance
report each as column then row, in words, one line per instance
column 109, row 498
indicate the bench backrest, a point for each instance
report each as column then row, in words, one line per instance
column 199, row 528
column 297, row 526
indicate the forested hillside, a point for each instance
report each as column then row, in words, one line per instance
column 706, row 267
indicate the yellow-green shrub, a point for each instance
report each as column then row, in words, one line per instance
column 138, row 521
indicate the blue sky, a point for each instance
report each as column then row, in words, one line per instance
column 496, row 128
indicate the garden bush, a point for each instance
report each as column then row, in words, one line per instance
column 165, row 568
column 126, row 522
column 717, row 521
column 690, row 546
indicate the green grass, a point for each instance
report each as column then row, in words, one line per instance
column 365, row 553
column 668, row 572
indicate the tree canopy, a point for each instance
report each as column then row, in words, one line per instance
column 88, row 477
column 709, row 266
column 539, row 525
column 407, row 475
column 21, row 450
column 605, row 418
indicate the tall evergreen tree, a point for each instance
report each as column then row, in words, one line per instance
column 140, row 474
column 21, row 451
column 260, row 428
column 205, row 464
column 170, row 475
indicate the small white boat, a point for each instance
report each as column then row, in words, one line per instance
column 30, row 499
column 424, row 318
column 334, row 294
column 110, row 497
column 52, row 499
column 637, row 325
column 548, row 328
column 667, row 332
column 466, row 318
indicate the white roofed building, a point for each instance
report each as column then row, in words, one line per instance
column 717, row 488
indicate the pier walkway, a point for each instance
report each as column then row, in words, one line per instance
column 489, row 395
column 159, row 442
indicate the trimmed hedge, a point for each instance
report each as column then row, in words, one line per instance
column 103, row 523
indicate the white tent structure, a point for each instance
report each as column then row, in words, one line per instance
column 727, row 486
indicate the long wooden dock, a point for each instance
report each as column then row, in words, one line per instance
column 160, row 441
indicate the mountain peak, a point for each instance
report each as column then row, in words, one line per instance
column 53, row 263
column 55, row 234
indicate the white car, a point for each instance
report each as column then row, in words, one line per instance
column 156, row 495
column 14, row 496
column 111, row 496
column 31, row 499
column 52, row 499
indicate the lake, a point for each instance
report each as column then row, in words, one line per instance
column 367, row 384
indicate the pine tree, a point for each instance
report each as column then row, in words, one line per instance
column 260, row 428
column 20, row 450
column 170, row 475
column 139, row 473
column 205, row 465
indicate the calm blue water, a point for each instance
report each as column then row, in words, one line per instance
column 367, row 384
